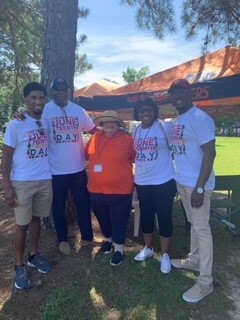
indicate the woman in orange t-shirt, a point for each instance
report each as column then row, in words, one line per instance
column 110, row 181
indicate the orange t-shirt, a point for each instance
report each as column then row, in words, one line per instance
column 110, row 163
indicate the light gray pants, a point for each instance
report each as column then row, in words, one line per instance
column 201, row 246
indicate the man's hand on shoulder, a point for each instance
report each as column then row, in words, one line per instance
column 19, row 115
column 94, row 130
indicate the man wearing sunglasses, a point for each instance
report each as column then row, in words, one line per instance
column 27, row 180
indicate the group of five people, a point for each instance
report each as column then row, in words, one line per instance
column 156, row 147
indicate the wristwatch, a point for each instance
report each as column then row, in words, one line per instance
column 200, row 190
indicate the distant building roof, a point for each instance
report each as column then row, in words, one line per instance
column 96, row 88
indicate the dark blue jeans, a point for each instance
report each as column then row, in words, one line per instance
column 112, row 212
column 76, row 183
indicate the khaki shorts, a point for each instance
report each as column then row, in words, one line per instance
column 34, row 200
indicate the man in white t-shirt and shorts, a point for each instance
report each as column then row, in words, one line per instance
column 27, row 180
column 192, row 140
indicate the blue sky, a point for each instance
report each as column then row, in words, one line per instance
column 114, row 43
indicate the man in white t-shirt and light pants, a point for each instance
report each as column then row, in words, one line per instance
column 193, row 145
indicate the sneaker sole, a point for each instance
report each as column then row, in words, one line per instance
column 165, row 271
column 177, row 266
column 107, row 252
column 115, row 264
column 21, row 288
column 189, row 300
column 39, row 270
column 141, row 260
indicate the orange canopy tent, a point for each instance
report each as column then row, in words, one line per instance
column 215, row 80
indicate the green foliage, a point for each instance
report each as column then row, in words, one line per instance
column 155, row 16
column 21, row 49
column 21, row 27
column 1, row 142
column 132, row 75
column 219, row 19
column 81, row 64
column 226, row 121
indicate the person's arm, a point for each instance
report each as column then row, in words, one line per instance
column 10, row 195
column 94, row 130
column 86, row 148
column 209, row 154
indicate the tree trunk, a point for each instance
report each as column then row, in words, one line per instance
column 59, row 41
column 59, row 53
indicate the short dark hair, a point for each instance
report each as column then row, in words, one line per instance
column 146, row 102
column 33, row 86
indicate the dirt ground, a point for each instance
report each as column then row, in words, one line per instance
column 25, row 304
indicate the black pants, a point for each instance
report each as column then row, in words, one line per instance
column 157, row 199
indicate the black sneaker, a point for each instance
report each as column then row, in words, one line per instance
column 117, row 259
column 106, row 247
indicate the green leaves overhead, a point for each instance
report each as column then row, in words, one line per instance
column 156, row 16
column 218, row 19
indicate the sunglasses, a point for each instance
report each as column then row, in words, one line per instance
column 40, row 126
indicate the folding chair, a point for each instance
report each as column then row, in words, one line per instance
column 225, row 202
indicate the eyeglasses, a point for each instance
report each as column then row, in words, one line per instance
column 40, row 126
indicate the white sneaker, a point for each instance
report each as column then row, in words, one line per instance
column 165, row 263
column 144, row 254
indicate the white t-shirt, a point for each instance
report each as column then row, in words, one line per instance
column 189, row 131
column 65, row 127
column 30, row 157
column 153, row 160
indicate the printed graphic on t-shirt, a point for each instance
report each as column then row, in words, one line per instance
column 37, row 144
column 146, row 149
column 65, row 129
column 178, row 143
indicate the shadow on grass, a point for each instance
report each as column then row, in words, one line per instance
column 84, row 286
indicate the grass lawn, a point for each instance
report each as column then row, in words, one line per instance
column 94, row 290
column 227, row 161
column 84, row 286
column 138, row 290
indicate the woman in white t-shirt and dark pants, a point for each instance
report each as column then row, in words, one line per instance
column 154, row 181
